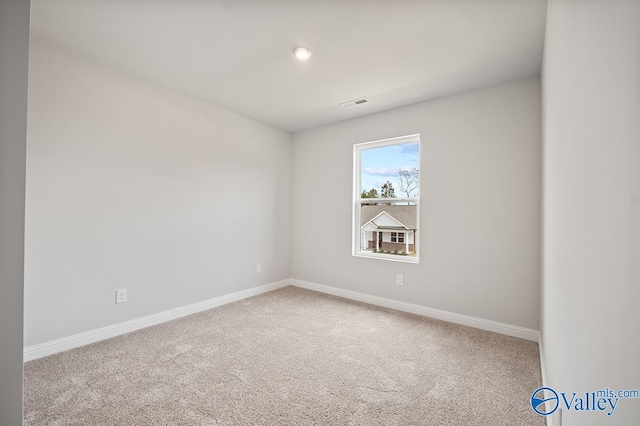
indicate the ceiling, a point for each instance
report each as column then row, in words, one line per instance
column 237, row 54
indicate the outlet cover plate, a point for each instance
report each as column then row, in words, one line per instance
column 121, row 295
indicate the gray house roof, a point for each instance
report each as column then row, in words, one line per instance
column 407, row 215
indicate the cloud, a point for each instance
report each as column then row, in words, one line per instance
column 381, row 171
column 409, row 167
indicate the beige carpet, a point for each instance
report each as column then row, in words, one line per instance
column 290, row 357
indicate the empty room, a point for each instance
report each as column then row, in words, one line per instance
column 278, row 212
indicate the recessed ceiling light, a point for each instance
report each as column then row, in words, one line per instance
column 302, row 53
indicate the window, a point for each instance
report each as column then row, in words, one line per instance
column 397, row 237
column 386, row 199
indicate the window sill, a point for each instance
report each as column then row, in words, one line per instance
column 391, row 257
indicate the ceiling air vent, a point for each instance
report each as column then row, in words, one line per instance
column 355, row 102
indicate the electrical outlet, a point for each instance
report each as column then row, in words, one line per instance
column 399, row 279
column 258, row 268
column 121, row 295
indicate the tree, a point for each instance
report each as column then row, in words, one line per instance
column 387, row 190
column 372, row 193
column 409, row 180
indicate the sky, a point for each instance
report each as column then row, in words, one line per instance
column 381, row 164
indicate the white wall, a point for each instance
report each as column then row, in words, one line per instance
column 132, row 186
column 591, row 278
column 480, row 212
column 14, row 55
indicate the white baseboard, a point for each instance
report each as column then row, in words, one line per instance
column 483, row 324
column 66, row 343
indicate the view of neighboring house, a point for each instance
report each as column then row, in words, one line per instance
column 389, row 228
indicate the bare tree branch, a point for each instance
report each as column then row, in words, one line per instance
column 409, row 180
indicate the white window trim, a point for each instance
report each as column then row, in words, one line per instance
column 357, row 235
column 399, row 235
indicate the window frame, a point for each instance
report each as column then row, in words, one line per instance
column 358, row 201
column 399, row 237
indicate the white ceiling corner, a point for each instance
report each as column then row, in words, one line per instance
column 237, row 54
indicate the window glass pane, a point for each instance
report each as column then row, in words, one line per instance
column 390, row 171
column 389, row 228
